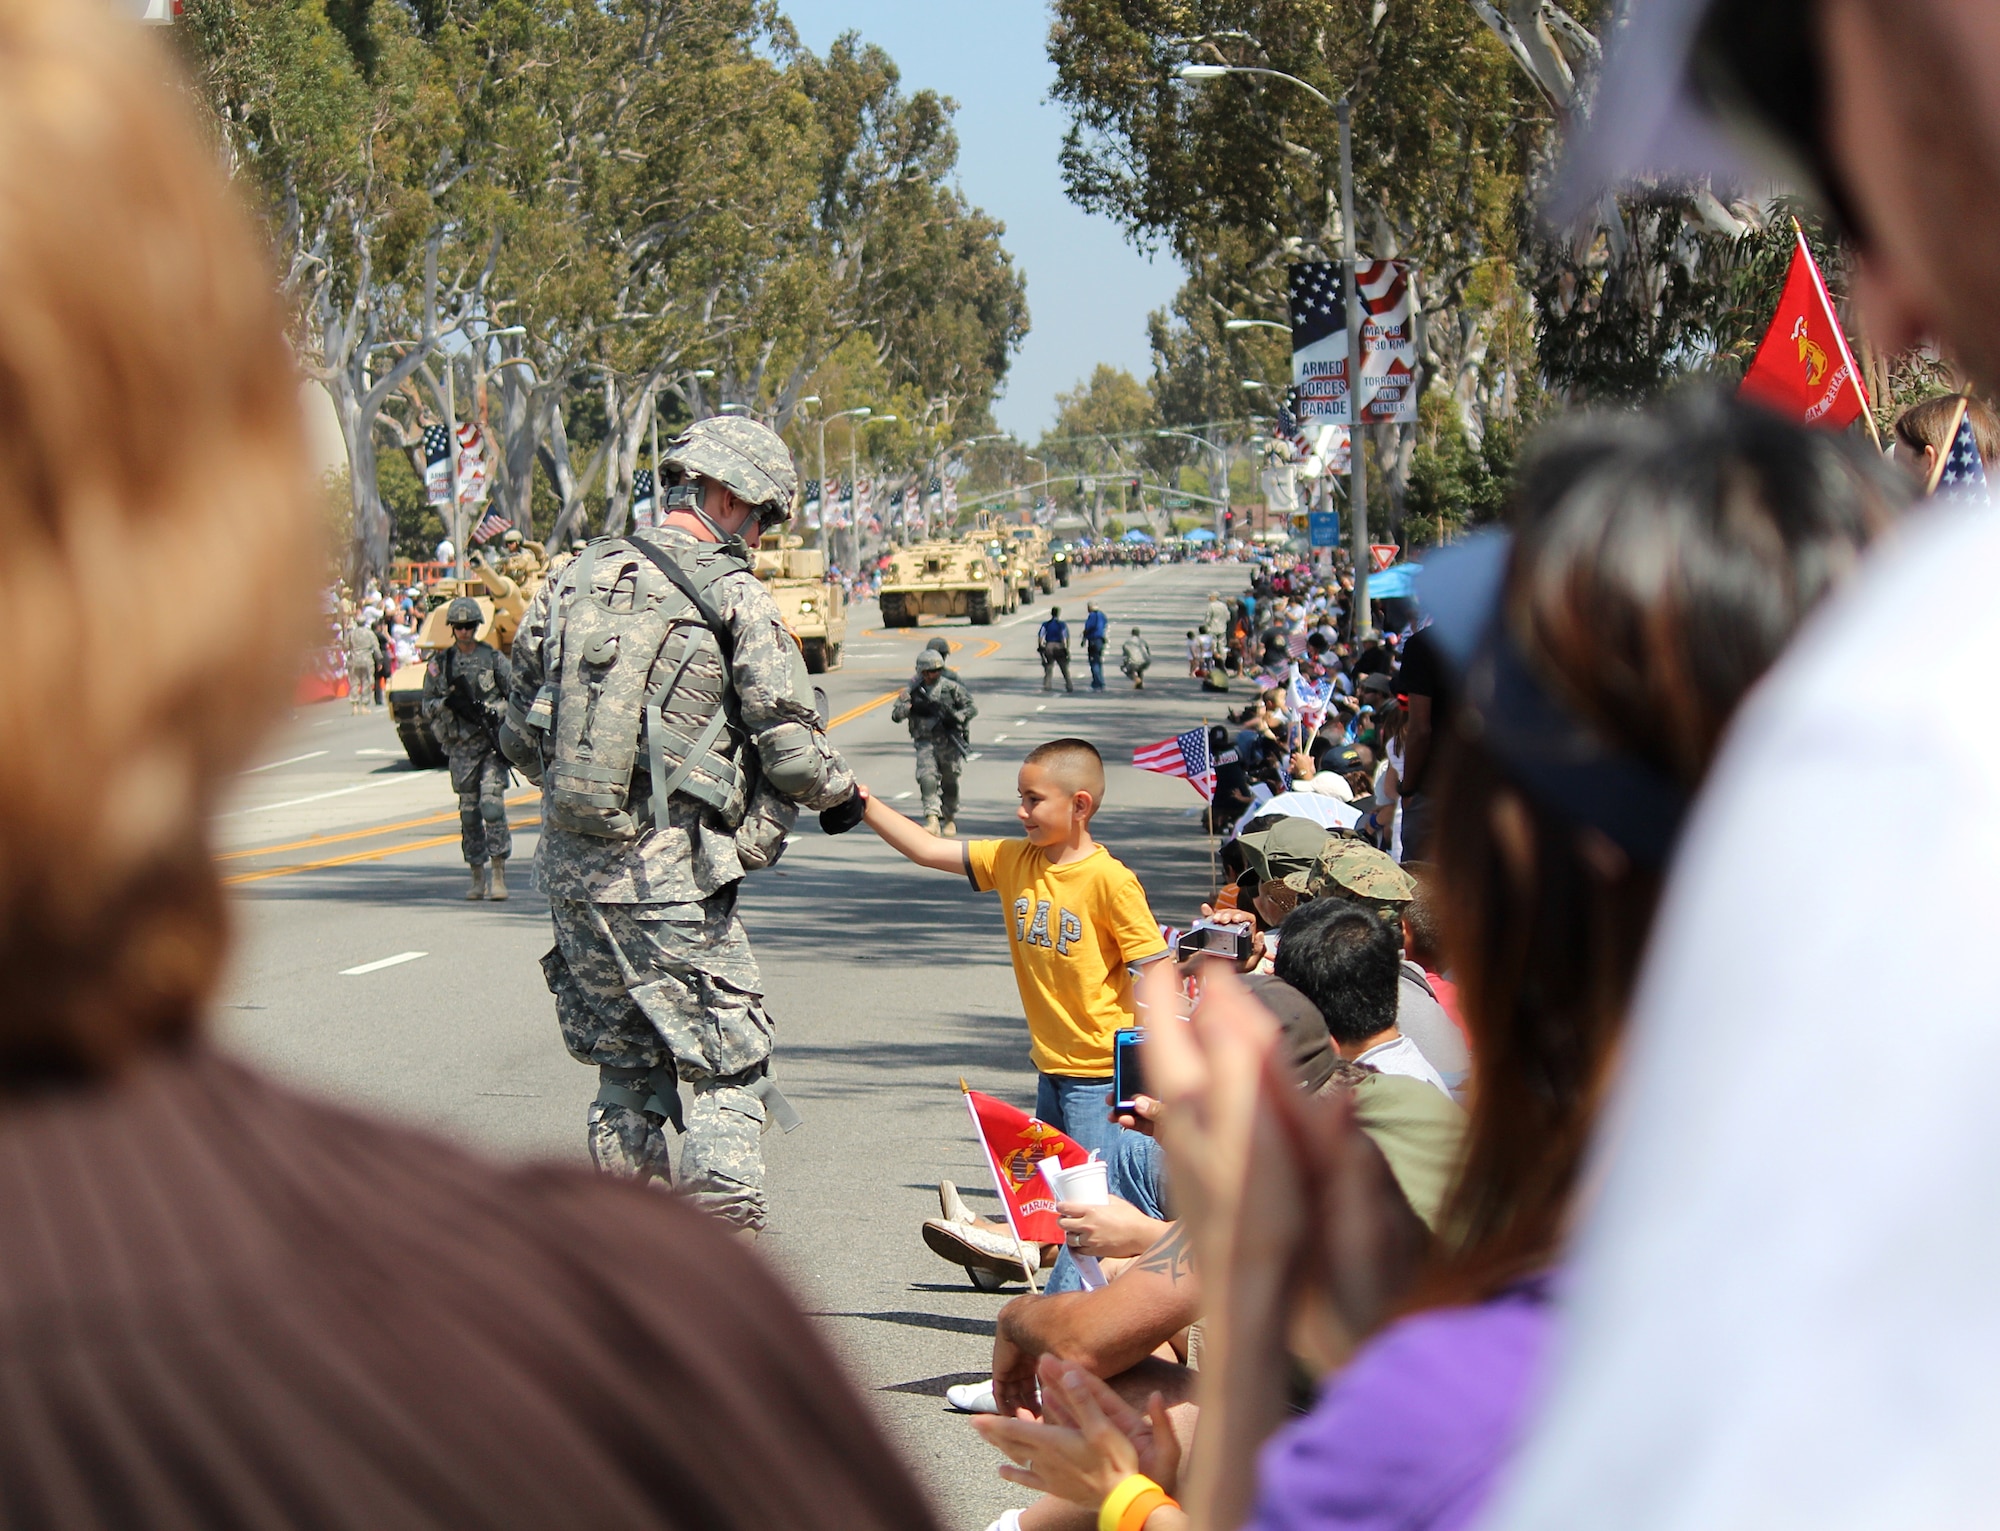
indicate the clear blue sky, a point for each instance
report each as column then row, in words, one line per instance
column 1088, row 290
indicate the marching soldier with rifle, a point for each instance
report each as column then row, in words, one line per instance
column 465, row 697
column 938, row 710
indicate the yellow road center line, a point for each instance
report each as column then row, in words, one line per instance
column 854, row 712
column 360, row 834
column 359, row 856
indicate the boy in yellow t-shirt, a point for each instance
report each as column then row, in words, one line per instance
column 1077, row 926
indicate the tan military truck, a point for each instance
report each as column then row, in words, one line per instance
column 502, row 604
column 946, row 577
column 815, row 611
column 1032, row 551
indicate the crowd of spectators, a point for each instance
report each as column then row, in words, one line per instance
column 1326, row 1273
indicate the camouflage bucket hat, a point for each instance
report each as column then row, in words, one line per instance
column 1353, row 869
column 746, row 456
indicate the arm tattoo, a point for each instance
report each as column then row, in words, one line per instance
column 1172, row 1257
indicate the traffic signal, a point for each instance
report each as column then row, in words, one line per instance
column 1228, row 520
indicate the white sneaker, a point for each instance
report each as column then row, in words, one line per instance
column 972, row 1397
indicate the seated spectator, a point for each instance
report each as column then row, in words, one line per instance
column 1596, row 692
column 1349, row 964
column 227, row 1304
column 1423, row 948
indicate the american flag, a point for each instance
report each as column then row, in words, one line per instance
column 490, row 527
column 1183, row 755
column 1964, row 476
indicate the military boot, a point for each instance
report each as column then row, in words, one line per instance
column 498, row 890
column 482, row 880
column 931, row 822
column 949, row 829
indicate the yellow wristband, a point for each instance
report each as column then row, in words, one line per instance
column 1112, row 1511
column 1140, row 1510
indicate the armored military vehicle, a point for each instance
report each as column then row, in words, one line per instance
column 502, row 604
column 815, row 611
column 1032, row 554
column 945, row 578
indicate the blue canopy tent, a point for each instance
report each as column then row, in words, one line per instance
column 1397, row 582
column 1135, row 535
column 1200, row 534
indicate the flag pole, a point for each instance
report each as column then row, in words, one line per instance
column 1846, row 351
column 1951, row 441
column 1029, row 1263
column 1214, row 860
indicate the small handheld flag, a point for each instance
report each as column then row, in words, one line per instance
column 1183, row 755
column 1961, row 473
column 1015, row 1144
column 1803, row 368
column 491, row 526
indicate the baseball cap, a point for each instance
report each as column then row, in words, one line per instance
column 1287, row 849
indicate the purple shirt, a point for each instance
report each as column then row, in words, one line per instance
column 1412, row 1433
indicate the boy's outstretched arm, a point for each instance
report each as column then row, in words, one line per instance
column 910, row 839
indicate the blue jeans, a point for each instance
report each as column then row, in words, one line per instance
column 1133, row 1171
column 1097, row 667
column 1079, row 1107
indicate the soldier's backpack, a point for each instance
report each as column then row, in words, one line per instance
column 636, row 677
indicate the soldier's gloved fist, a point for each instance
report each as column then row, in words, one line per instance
column 842, row 817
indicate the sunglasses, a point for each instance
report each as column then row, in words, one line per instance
column 1757, row 67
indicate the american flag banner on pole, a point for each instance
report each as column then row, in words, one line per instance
column 491, row 526
column 812, row 506
column 437, row 464
column 471, row 464
column 1183, row 755
column 643, row 500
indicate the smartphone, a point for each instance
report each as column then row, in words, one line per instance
column 1204, row 939
column 1127, row 1080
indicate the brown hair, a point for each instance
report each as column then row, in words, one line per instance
column 1074, row 763
column 1661, row 564
column 1930, row 424
column 150, row 452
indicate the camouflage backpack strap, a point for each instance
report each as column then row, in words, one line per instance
column 682, row 650
column 695, row 588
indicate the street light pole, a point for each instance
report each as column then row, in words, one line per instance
column 1360, row 620
column 1357, row 456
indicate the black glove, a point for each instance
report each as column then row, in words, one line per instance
column 843, row 816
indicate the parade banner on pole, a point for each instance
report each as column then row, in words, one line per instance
column 1386, row 289
column 437, row 465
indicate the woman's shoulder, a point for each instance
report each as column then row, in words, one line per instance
column 1413, row 1429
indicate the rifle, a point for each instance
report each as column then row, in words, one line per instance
column 458, row 699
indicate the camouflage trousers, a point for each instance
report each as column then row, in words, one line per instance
column 660, row 994
column 479, row 776
column 939, row 762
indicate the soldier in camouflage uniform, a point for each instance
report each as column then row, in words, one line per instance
column 465, row 690
column 654, row 980
column 938, row 709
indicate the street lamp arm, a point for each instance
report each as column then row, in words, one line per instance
column 1216, row 71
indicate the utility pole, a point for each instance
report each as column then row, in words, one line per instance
column 1360, row 623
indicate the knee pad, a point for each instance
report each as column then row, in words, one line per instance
column 492, row 810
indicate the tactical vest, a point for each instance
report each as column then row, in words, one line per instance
column 636, row 679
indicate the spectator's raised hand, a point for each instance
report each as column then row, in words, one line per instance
column 1088, row 1441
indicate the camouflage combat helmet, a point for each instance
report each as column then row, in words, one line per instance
column 511, row 537
column 930, row 660
column 464, row 610
column 1354, row 870
column 939, row 646
column 745, row 456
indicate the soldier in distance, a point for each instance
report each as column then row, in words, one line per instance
column 465, row 688
column 666, row 711
column 939, row 711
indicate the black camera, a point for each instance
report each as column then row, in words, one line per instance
column 1128, row 1080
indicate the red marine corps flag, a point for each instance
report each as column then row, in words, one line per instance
column 1804, row 369
column 1016, row 1144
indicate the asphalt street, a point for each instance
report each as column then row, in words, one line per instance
column 361, row 973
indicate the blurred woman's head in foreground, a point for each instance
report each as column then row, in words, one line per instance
column 1660, row 563
column 150, row 451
